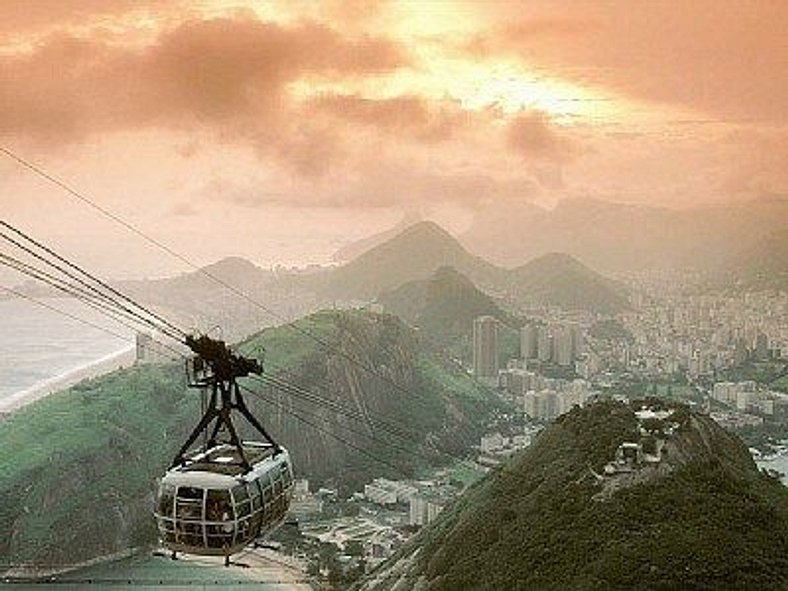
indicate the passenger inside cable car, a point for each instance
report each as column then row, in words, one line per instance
column 211, row 506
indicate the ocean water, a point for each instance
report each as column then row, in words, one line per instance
column 37, row 344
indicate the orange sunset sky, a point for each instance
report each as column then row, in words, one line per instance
column 278, row 131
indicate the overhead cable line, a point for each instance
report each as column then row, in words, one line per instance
column 130, row 227
column 72, row 316
column 371, row 436
column 80, row 270
column 89, row 299
column 298, row 392
column 317, row 427
column 101, row 306
column 336, row 406
column 307, row 396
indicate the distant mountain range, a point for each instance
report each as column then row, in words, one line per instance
column 615, row 237
column 197, row 300
column 559, row 280
column 357, row 247
column 417, row 252
column 706, row 518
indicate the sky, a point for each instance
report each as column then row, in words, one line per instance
column 279, row 131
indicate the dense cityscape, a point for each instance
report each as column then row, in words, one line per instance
column 682, row 348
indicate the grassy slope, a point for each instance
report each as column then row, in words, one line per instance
column 432, row 397
column 445, row 306
column 76, row 466
column 715, row 523
column 78, row 469
column 560, row 280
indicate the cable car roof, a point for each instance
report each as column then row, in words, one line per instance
column 220, row 466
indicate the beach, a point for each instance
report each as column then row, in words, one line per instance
column 106, row 364
column 42, row 351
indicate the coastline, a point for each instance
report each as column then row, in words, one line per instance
column 44, row 388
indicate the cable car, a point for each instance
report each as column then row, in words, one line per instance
column 228, row 493
column 210, row 506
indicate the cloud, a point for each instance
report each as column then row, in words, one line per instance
column 531, row 135
column 25, row 16
column 722, row 57
column 225, row 74
column 407, row 115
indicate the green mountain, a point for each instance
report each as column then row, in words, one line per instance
column 78, row 469
column 444, row 307
column 415, row 253
column 706, row 518
column 558, row 279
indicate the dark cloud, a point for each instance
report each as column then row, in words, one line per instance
column 402, row 115
column 225, row 74
column 532, row 136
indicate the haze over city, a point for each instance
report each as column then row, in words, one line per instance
column 397, row 294
column 281, row 131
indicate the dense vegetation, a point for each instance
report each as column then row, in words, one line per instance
column 713, row 522
column 78, row 469
column 444, row 308
column 560, row 280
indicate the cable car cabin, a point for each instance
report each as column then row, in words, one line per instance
column 210, row 505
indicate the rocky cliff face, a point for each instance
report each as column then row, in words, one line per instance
column 78, row 470
column 377, row 367
column 707, row 519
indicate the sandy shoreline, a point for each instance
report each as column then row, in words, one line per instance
column 109, row 363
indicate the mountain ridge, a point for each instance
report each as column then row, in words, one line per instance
column 620, row 237
column 704, row 518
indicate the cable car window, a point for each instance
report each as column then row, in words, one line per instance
column 189, row 510
column 286, row 475
column 268, row 494
column 166, row 497
column 277, row 487
column 218, row 507
column 254, row 488
column 239, row 494
column 243, row 509
column 190, row 534
column 244, row 529
column 256, row 494
column 191, row 493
